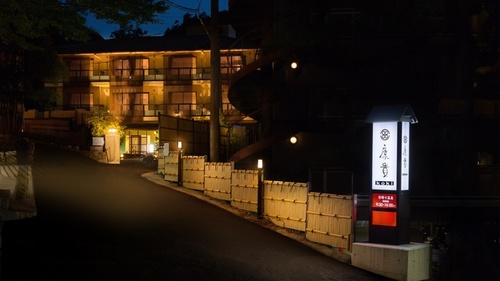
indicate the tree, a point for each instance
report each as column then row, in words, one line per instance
column 101, row 121
column 41, row 100
column 195, row 20
column 129, row 32
column 29, row 32
column 188, row 20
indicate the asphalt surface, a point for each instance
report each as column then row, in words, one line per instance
column 109, row 222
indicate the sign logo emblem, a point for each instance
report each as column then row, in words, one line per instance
column 385, row 134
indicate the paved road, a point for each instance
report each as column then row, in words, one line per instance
column 106, row 222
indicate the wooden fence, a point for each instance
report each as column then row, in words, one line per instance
column 285, row 203
column 170, row 166
column 329, row 219
column 17, row 198
column 161, row 162
column 193, row 134
column 218, row 180
column 325, row 218
column 244, row 184
column 193, row 172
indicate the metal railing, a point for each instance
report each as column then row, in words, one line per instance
column 151, row 74
column 183, row 110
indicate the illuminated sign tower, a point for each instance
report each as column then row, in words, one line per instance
column 390, row 198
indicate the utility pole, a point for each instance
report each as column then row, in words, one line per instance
column 215, row 84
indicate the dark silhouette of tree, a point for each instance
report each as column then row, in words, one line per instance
column 194, row 20
column 129, row 31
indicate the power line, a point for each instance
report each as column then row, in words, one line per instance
column 187, row 9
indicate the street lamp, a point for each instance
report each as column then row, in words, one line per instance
column 260, row 190
column 293, row 140
column 179, row 164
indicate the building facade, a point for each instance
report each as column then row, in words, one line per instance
column 138, row 79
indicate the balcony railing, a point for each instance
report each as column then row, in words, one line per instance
column 184, row 110
column 152, row 74
column 179, row 74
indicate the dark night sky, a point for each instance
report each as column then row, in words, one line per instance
column 175, row 12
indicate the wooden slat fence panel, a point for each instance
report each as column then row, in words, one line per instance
column 285, row 203
column 218, row 180
column 193, row 172
column 195, row 135
column 329, row 219
column 171, row 170
column 161, row 162
column 244, row 189
column 325, row 218
column 17, row 198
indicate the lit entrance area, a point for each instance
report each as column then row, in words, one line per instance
column 139, row 143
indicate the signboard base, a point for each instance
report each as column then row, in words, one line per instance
column 390, row 224
column 403, row 262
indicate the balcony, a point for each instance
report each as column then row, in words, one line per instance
column 149, row 113
column 100, row 75
column 88, row 75
column 152, row 74
column 179, row 74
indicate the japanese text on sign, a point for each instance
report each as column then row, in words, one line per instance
column 384, row 156
column 384, row 200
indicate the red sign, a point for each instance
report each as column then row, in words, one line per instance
column 384, row 218
column 384, row 200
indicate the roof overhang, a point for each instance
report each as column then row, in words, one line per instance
column 391, row 113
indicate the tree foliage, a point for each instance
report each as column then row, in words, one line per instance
column 129, row 31
column 188, row 20
column 101, row 121
column 123, row 12
column 41, row 100
column 30, row 31
column 195, row 20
